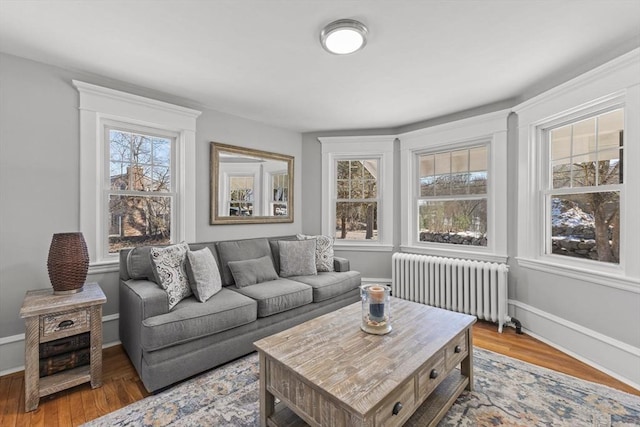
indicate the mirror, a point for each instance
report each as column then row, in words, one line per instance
column 250, row 186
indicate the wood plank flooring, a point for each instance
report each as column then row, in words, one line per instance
column 122, row 386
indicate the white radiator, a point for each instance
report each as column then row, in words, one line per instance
column 472, row 287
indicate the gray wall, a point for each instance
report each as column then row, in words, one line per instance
column 39, row 182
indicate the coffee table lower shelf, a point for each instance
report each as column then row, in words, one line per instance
column 432, row 410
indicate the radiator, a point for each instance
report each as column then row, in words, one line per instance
column 472, row 287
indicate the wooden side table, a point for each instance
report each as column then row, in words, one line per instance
column 49, row 317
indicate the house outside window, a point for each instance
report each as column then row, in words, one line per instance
column 140, row 193
column 452, row 196
column 584, row 187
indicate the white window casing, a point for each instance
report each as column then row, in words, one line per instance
column 359, row 147
column 488, row 129
column 615, row 84
column 100, row 107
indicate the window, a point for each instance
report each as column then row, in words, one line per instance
column 279, row 193
column 137, row 172
column 584, row 188
column 357, row 199
column 452, row 196
column 356, row 205
column 140, row 191
column 241, row 195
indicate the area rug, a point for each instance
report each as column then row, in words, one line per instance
column 507, row 392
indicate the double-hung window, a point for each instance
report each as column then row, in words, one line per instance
column 452, row 196
column 584, row 186
column 356, row 203
column 137, row 172
column 139, row 191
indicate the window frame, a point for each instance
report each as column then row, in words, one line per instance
column 614, row 83
column 99, row 106
column 379, row 147
column 487, row 129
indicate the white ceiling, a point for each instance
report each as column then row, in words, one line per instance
column 261, row 59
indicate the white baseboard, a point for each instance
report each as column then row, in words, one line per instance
column 611, row 356
column 12, row 347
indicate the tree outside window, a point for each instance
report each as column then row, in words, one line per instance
column 452, row 199
column 585, row 185
column 140, row 194
column 357, row 199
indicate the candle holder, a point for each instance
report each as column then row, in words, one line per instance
column 376, row 309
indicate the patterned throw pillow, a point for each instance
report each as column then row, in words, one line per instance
column 169, row 269
column 297, row 258
column 324, row 251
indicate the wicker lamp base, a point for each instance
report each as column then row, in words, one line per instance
column 68, row 263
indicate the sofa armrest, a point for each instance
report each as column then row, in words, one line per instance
column 340, row 264
column 143, row 296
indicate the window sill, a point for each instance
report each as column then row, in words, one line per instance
column 104, row 267
column 455, row 253
column 362, row 247
column 611, row 280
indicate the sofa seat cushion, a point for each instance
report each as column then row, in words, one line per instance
column 330, row 284
column 191, row 319
column 277, row 296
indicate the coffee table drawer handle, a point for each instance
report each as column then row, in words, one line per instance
column 433, row 374
column 457, row 349
column 397, row 408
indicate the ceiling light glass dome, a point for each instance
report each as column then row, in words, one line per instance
column 343, row 37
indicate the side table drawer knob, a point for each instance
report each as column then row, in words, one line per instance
column 397, row 408
column 433, row 374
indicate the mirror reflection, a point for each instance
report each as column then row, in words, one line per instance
column 250, row 185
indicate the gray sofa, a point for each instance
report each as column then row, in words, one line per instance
column 166, row 346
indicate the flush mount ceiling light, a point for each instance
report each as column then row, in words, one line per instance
column 343, row 36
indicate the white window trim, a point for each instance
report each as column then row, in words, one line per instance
column 488, row 129
column 617, row 82
column 378, row 147
column 99, row 105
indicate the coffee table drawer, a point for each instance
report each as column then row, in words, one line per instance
column 456, row 350
column 431, row 375
column 398, row 408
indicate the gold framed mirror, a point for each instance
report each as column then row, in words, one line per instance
column 250, row 186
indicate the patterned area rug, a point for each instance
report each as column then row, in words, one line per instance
column 507, row 392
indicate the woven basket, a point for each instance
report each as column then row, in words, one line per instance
column 68, row 262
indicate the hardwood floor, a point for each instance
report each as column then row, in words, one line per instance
column 122, row 385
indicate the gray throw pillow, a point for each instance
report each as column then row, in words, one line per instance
column 203, row 274
column 169, row 270
column 297, row 258
column 251, row 271
column 324, row 251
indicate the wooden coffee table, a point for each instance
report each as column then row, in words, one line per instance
column 328, row 372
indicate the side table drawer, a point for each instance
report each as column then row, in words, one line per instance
column 398, row 407
column 60, row 325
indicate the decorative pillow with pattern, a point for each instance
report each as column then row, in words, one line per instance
column 169, row 269
column 324, row 251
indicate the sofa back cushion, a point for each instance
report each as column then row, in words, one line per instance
column 139, row 264
column 240, row 250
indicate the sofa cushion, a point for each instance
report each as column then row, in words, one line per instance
column 170, row 273
column 324, row 251
column 251, row 271
column 191, row 319
column 238, row 250
column 139, row 264
column 297, row 258
column 203, row 274
column 278, row 295
column 327, row 285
